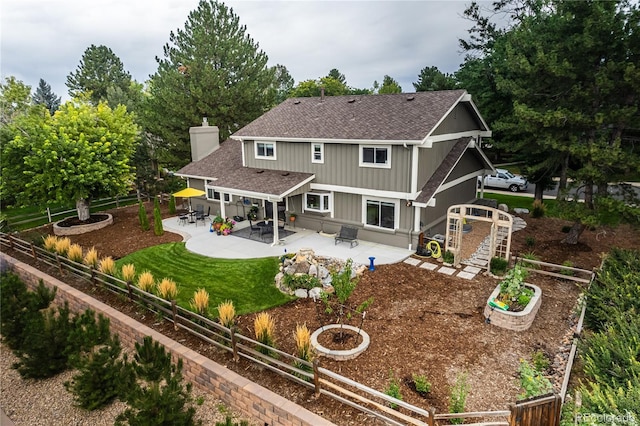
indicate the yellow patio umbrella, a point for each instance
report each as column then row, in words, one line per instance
column 188, row 193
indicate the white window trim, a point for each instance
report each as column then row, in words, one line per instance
column 260, row 157
column 396, row 216
column 313, row 157
column 386, row 165
column 328, row 209
column 225, row 195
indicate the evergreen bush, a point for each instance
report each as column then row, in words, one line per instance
column 458, row 397
column 172, row 205
column 157, row 222
column 142, row 216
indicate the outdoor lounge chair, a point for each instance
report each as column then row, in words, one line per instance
column 348, row 233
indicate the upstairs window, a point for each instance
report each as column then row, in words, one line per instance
column 318, row 202
column 266, row 150
column 375, row 156
column 317, row 153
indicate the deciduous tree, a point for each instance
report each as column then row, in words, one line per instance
column 389, row 85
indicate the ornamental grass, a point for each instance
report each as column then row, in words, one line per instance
column 302, row 337
column 50, row 242
column 75, row 252
column 227, row 313
column 62, row 245
column 265, row 329
column 91, row 258
column 128, row 272
column 200, row 302
column 146, row 282
column 167, row 289
column 107, row 265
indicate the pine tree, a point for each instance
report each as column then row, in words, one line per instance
column 211, row 68
column 142, row 216
column 157, row 222
column 45, row 96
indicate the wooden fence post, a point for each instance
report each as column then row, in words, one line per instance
column 59, row 264
column 33, row 252
column 513, row 421
column 138, row 195
column 93, row 276
column 234, row 345
column 316, row 376
column 117, row 202
column 432, row 414
column 130, row 290
column 10, row 241
column 174, row 310
column 49, row 214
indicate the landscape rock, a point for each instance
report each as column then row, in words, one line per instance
column 503, row 207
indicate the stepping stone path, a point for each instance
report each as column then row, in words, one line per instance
column 477, row 261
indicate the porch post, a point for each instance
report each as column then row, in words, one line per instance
column 416, row 219
column 223, row 213
column 274, row 212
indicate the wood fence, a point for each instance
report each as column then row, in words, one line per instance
column 558, row 271
column 306, row 374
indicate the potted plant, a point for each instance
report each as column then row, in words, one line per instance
column 253, row 213
column 217, row 223
column 227, row 226
column 292, row 217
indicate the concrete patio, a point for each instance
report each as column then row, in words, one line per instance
column 199, row 240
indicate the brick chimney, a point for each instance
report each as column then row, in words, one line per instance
column 204, row 140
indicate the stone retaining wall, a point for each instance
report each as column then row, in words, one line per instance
column 236, row 391
column 517, row 321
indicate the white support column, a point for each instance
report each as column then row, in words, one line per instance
column 416, row 218
column 274, row 212
column 223, row 213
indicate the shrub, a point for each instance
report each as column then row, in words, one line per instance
column 498, row 265
column 142, row 216
column 540, row 361
column 99, row 378
column 50, row 242
column 75, row 253
column 448, row 257
column 161, row 398
column 538, row 210
column 128, row 272
column 512, row 286
column 91, row 258
column 264, row 328
column 157, row 222
column 566, row 271
column 531, row 256
column 107, row 266
column 421, row 383
column 532, row 381
column 18, row 306
column 172, row 205
column 156, row 202
column 226, row 313
column 305, row 281
column 200, row 302
column 393, row 389
column 167, row 289
column 62, row 245
column 458, row 397
column 530, row 241
column 146, row 282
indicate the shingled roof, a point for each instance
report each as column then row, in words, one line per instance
column 224, row 166
column 392, row 117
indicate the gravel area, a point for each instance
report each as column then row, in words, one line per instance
column 48, row 403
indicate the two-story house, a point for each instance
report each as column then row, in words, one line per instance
column 390, row 165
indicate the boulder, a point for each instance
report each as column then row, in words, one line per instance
column 503, row 207
column 301, row 293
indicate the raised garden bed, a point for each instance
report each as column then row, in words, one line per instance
column 517, row 321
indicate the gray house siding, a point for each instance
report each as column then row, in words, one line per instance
column 430, row 158
column 340, row 167
column 469, row 163
column 433, row 218
column 461, row 119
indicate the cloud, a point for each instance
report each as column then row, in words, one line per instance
column 364, row 40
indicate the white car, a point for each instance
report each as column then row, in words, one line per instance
column 504, row 179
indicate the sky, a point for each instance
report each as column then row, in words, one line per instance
column 364, row 40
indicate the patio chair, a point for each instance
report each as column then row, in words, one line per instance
column 266, row 230
column 348, row 233
column 254, row 229
column 183, row 219
column 200, row 217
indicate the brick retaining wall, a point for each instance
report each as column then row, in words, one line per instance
column 236, row 391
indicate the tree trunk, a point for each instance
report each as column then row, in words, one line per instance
column 588, row 194
column 82, row 206
column 538, row 192
column 562, row 184
column 574, row 233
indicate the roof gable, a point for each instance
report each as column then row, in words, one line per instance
column 392, row 117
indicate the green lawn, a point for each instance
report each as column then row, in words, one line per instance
column 247, row 282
